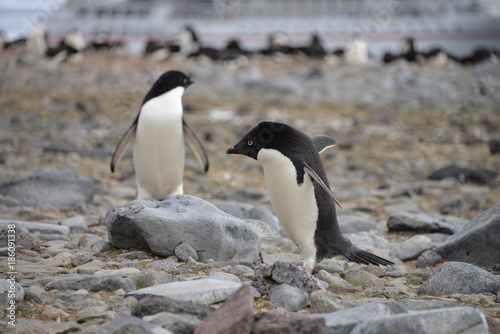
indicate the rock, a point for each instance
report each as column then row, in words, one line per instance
column 60, row 190
column 60, row 260
column 277, row 323
column 411, row 249
column 344, row 321
column 90, row 282
column 36, row 294
column 249, row 211
column 168, row 264
column 21, row 235
column 494, row 145
column 9, row 287
column 484, row 177
column 75, row 223
column 459, row 277
column 93, row 313
column 332, row 266
column 366, row 240
column 284, row 273
column 224, row 276
column 321, row 302
column 135, row 255
column 459, row 204
column 335, row 284
column 154, row 278
column 132, row 325
column 184, row 251
column 457, row 320
column 355, row 224
column 206, row 291
column 40, row 230
column 176, row 323
column 35, row 326
column 428, row 259
column 247, row 194
column 362, row 278
column 234, row 316
column 52, row 313
column 476, row 242
column 156, row 304
column 291, row 298
column 424, row 223
column 162, row 226
column 271, row 239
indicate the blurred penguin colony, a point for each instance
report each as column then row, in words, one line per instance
column 187, row 45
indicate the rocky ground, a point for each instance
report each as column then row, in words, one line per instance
column 412, row 170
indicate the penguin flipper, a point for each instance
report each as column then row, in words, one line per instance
column 122, row 146
column 323, row 142
column 196, row 146
column 316, row 178
column 360, row 256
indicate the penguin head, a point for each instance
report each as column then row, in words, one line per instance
column 166, row 82
column 263, row 136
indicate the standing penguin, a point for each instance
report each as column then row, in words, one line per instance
column 299, row 191
column 159, row 131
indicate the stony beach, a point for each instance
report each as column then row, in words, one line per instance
column 414, row 169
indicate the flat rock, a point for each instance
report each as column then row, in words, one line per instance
column 154, row 278
column 428, row 259
column 9, row 287
column 441, row 321
column 163, row 225
column 291, row 298
column 412, row 248
column 35, row 326
column 284, row 273
column 176, row 323
column 234, row 316
column 249, row 211
column 22, row 237
column 37, row 228
column 90, row 282
column 60, row 190
column 483, row 177
column 344, row 321
column 477, row 242
column 207, row 291
column 355, row 224
column 335, row 283
column 460, row 277
column 277, row 323
column 132, row 325
column 156, row 304
column 424, row 223
column 322, row 302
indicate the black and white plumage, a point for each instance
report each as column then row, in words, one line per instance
column 158, row 133
column 299, row 191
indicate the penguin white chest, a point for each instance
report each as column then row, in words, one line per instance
column 295, row 205
column 159, row 151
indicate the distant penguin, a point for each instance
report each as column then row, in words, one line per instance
column 159, row 131
column 357, row 51
column 36, row 44
column 299, row 191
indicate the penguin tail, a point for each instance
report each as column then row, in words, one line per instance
column 360, row 256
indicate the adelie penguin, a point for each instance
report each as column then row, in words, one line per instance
column 299, row 191
column 159, row 130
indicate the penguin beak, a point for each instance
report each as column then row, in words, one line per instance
column 232, row 150
column 190, row 82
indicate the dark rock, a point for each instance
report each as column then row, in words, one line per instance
column 135, row 255
column 424, row 223
column 459, row 277
column 157, row 304
column 443, row 321
column 126, row 324
column 494, row 145
column 484, row 177
column 354, row 224
column 234, row 316
column 163, row 225
column 284, row 273
column 184, row 251
column 273, row 322
column 459, row 204
column 181, row 324
column 476, row 242
column 154, row 278
column 60, row 190
column 92, row 283
column 291, row 298
column 429, row 259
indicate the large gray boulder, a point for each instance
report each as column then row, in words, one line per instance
column 424, row 223
column 60, row 190
column 477, row 242
column 162, row 225
column 459, row 277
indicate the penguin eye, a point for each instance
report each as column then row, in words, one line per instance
column 250, row 143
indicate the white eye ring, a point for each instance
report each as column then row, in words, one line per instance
column 250, row 143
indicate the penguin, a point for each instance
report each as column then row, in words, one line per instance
column 299, row 191
column 157, row 132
